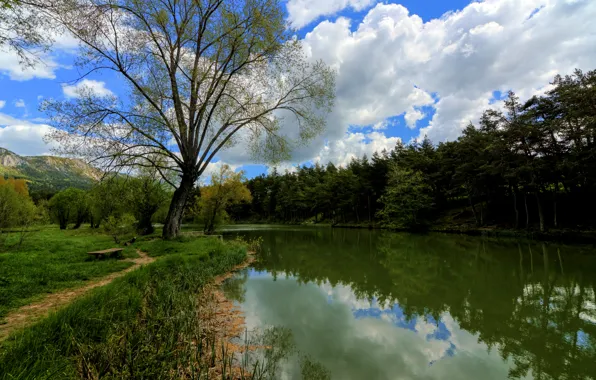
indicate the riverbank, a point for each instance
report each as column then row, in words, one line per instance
column 554, row 235
column 142, row 325
column 564, row 236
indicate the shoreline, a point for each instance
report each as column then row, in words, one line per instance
column 222, row 321
column 561, row 235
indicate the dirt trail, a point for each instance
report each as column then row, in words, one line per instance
column 29, row 314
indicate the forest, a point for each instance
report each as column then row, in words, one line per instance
column 528, row 165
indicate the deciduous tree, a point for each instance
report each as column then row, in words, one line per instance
column 203, row 75
column 227, row 188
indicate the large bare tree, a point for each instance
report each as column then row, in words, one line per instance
column 203, row 75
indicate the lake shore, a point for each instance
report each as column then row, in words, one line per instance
column 553, row 235
column 567, row 236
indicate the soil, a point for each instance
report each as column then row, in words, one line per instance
column 222, row 321
column 27, row 315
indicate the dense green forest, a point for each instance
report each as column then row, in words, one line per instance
column 529, row 165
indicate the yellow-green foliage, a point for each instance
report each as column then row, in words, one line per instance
column 16, row 208
column 227, row 188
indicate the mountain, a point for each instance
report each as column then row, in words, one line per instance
column 48, row 173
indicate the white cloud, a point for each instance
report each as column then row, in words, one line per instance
column 19, row 103
column 212, row 168
column 44, row 63
column 96, row 87
column 2, row 104
column 355, row 145
column 11, row 66
column 412, row 116
column 25, row 139
column 394, row 61
column 303, row 12
column 381, row 125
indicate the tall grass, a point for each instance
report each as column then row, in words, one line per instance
column 143, row 325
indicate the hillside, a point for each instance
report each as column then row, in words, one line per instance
column 48, row 173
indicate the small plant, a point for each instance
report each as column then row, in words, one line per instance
column 253, row 245
column 119, row 227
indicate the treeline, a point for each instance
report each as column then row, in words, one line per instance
column 119, row 206
column 530, row 165
column 113, row 204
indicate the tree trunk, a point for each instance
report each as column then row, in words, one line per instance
column 473, row 209
column 63, row 223
column 515, row 208
column 540, row 212
column 171, row 229
column 555, row 223
column 145, row 226
column 527, row 212
column 211, row 226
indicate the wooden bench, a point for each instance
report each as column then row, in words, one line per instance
column 112, row 252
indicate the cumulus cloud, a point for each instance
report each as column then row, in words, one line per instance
column 413, row 116
column 393, row 61
column 44, row 63
column 11, row 66
column 213, row 168
column 96, row 87
column 25, row 139
column 355, row 145
column 303, row 12
column 2, row 104
column 19, row 103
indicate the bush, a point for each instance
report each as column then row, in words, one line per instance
column 69, row 206
column 119, row 227
column 17, row 211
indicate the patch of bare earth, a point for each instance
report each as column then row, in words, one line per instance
column 27, row 315
column 222, row 322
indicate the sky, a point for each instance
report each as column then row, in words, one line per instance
column 405, row 70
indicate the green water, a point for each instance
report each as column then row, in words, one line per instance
column 379, row 305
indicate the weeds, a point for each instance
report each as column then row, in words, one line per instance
column 254, row 244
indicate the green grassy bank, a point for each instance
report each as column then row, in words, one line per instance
column 50, row 260
column 143, row 325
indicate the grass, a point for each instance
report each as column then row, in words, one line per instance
column 143, row 325
column 205, row 247
column 51, row 260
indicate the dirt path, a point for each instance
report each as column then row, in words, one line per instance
column 29, row 314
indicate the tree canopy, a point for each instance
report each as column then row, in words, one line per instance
column 226, row 189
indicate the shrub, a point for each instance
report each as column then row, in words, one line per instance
column 70, row 205
column 17, row 211
column 119, row 227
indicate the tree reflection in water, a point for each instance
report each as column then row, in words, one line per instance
column 533, row 303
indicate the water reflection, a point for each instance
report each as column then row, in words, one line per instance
column 382, row 305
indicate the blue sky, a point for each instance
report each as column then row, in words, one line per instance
column 405, row 69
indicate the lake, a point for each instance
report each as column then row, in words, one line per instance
column 381, row 305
